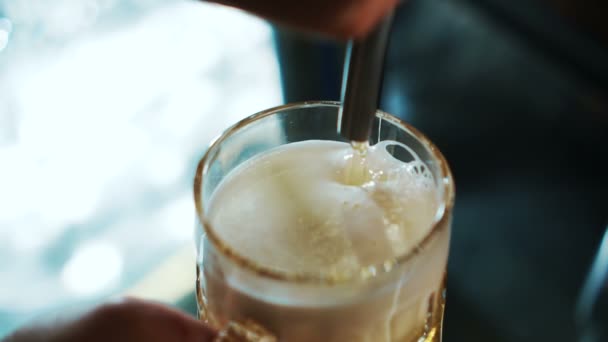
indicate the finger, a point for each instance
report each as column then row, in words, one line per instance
column 360, row 19
column 338, row 18
column 134, row 321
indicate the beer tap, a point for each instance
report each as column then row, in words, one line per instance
column 362, row 81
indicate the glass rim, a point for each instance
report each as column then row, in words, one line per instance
column 364, row 273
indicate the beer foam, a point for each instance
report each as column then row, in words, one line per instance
column 322, row 207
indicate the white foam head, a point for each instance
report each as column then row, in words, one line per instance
column 319, row 207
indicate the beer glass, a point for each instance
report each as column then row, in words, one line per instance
column 398, row 300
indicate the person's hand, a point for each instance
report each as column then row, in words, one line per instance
column 126, row 321
column 338, row 18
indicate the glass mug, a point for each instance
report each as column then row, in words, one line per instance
column 400, row 300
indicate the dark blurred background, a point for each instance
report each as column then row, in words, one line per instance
column 515, row 93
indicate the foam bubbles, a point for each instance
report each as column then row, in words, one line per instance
column 322, row 206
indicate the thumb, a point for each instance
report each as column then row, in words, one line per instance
column 129, row 320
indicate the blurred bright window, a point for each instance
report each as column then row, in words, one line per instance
column 105, row 108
